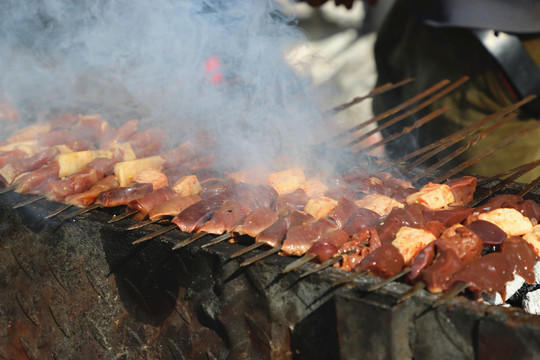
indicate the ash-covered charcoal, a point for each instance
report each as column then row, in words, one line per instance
column 519, row 293
column 513, row 293
column 527, row 296
column 531, row 300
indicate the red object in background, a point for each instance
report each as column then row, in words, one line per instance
column 212, row 67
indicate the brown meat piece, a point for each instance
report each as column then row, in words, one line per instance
column 58, row 137
column 123, row 195
column 300, row 238
column 411, row 215
column 76, row 183
column 489, row 233
column 383, row 262
column 35, row 181
column 464, row 242
column 149, row 201
column 88, row 197
column 490, row 273
column 194, row 216
column 91, row 128
column 64, row 121
column 360, row 220
column 438, row 275
column 463, row 189
column 103, row 165
column 448, row 217
column 224, row 219
column 342, row 212
column 173, row 206
column 275, row 233
column 16, row 167
column 421, row 262
column 329, row 245
column 296, row 200
column 257, row 221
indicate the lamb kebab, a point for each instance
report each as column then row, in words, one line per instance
column 369, row 209
column 77, row 134
column 318, row 208
column 77, row 172
column 100, row 138
column 177, row 162
column 500, row 219
column 311, row 198
column 259, row 217
column 230, row 202
column 331, row 216
column 461, row 245
column 125, row 170
column 346, row 253
column 291, row 183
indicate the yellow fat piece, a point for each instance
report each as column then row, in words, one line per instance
column 76, row 161
column 126, row 171
column 127, row 150
column 187, row 185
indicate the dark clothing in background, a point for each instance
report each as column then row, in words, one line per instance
column 430, row 49
column 515, row 16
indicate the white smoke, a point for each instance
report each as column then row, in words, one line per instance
column 153, row 59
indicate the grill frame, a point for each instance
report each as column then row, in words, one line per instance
column 256, row 312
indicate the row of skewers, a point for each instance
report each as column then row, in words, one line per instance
column 375, row 223
column 361, row 222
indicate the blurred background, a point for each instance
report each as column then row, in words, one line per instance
column 339, row 50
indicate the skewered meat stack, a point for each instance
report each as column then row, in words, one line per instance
column 358, row 221
column 82, row 177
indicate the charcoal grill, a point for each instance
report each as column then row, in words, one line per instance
column 81, row 287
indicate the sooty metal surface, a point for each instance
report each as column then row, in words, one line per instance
column 81, row 289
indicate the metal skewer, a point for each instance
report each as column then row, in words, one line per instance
column 411, row 111
column 322, row 266
column 441, row 144
column 389, row 280
column 261, row 256
column 7, row 189
column 58, row 211
column 299, row 262
column 529, row 187
column 503, row 174
column 459, row 168
column 128, row 213
column 380, row 90
column 217, row 240
column 530, row 166
column 464, row 148
column 81, row 211
column 350, row 278
column 29, row 201
column 155, row 234
column 190, row 240
column 417, row 287
column 247, row 249
column 418, row 123
column 387, row 113
column 450, row 294
column 143, row 224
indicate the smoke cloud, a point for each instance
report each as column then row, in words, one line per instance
column 217, row 65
